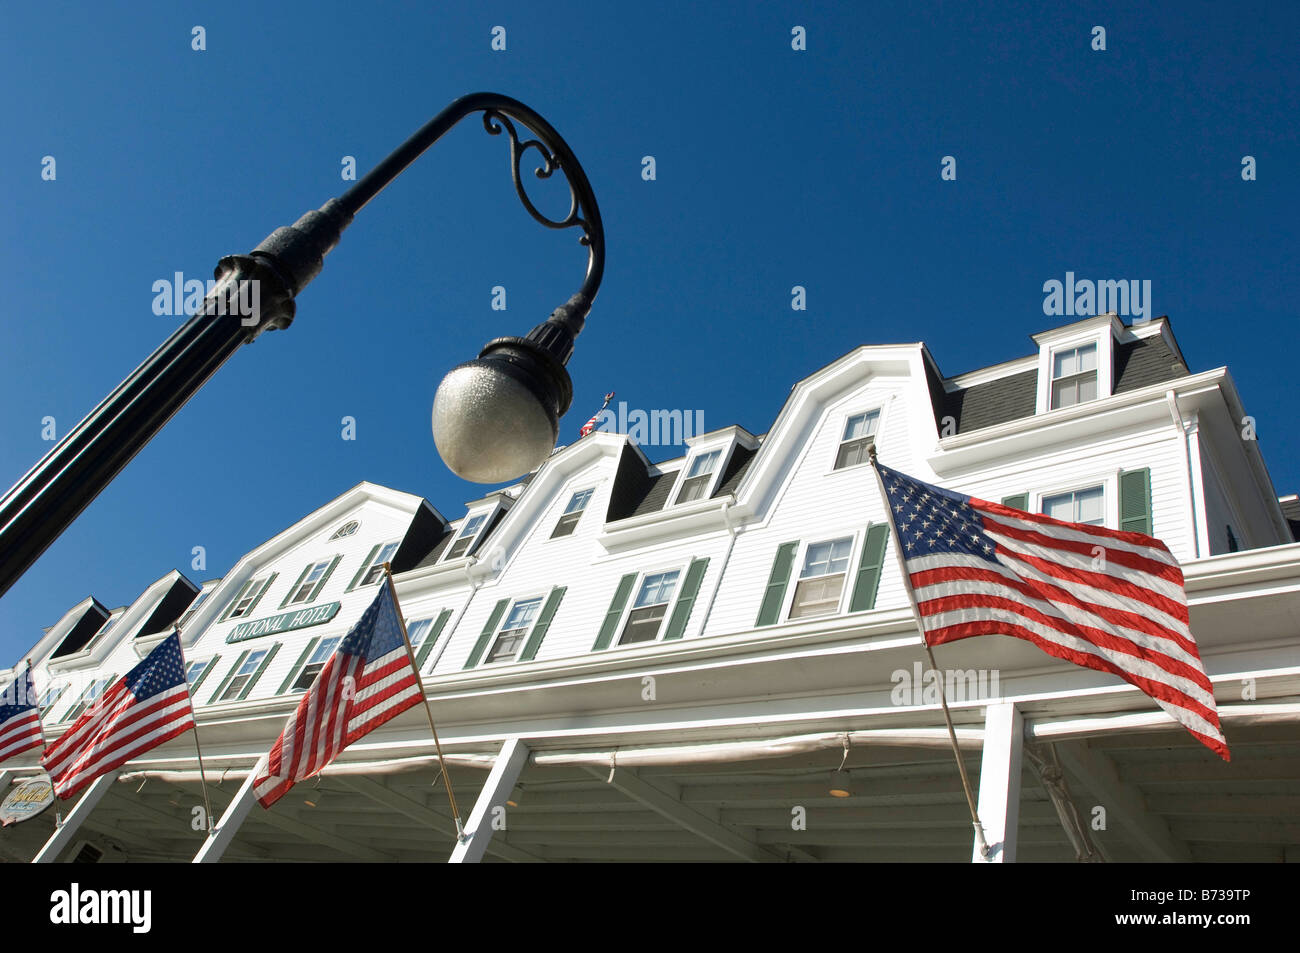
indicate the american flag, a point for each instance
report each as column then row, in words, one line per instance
column 1109, row 600
column 20, row 718
column 145, row 707
column 590, row 425
column 369, row 679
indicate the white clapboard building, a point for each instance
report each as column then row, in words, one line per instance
column 714, row 658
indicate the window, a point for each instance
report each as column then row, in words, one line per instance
column 194, row 607
column 1079, row 506
column 649, row 608
column 699, row 476
column 347, row 529
column 88, row 697
column 247, row 597
column 513, row 630
column 572, row 513
column 417, row 632
column 242, row 675
column 467, row 534
column 51, row 697
column 103, row 631
column 308, row 584
column 314, row 664
column 859, row 435
column 194, row 669
column 1074, row 376
column 376, row 568
column 821, row 581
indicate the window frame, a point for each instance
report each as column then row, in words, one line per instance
column 577, row 517
column 312, row 585
column 332, row 642
column 109, row 624
column 45, row 707
column 540, row 599
column 1077, row 377
column 86, row 699
column 710, row 479
column 879, row 411
column 351, row 526
column 233, row 686
column 483, row 517
column 250, row 592
column 1109, row 483
column 193, row 607
column 631, row 606
column 189, row 664
column 379, row 561
column 1101, row 331
column 796, row 568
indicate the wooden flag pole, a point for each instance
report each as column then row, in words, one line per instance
column 203, row 776
column 442, row 763
column 934, row 666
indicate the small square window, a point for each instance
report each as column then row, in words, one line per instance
column 821, row 582
column 859, row 435
column 1079, row 506
column 649, row 607
column 467, row 535
column 513, row 631
column 314, row 664
column 245, row 672
column 309, row 581
column 1074, row 376
column 572, row 513
column 376, row 568
column 699, row 476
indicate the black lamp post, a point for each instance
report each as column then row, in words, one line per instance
column 494, row 418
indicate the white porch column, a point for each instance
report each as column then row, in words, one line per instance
column 999, row 797
column 501, row 781
column 233, row 818
column 64, row 833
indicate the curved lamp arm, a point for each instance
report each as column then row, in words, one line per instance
column 491, row 411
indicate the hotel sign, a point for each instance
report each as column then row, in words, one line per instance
column 26, row 800
column 284, row 622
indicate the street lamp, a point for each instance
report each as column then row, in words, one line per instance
column 494, row 418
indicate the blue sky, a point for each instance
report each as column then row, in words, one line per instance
column 774, row 168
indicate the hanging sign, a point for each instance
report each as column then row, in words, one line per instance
column 26, row 799
column 284, row 622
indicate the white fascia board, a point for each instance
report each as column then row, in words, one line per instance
column 56, row 633
column 679, row 522
column 1068, row 424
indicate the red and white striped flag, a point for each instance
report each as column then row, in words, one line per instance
column 590, row 425
column 20, row 718
column 145, row 707
column 1109, row 600
column 369, row 679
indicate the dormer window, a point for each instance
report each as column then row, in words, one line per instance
column 468, row 533
column 699, row 476
column 859, row 435
column 103, row 631
column 1074, row 376
column 572, row 513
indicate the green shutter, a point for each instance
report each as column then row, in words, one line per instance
column 543, row 623
column 431, row 638
column 294, row 588
column 777, row 580
column 869, row 568
column 297, row 666
column 686, row 599
column 1018, row 502
column 269, row 579
column 1135, row 501
column 329, row 570
column 212, row 663
column 248, row 685
column 485, row 636
column 607, row 627
column 235, row 601
column 229, row 675
column 365, row 564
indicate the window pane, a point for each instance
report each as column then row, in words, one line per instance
column 862, row 425
column 250, row 664
column 1091, row 506
column 693, row 488
column 657, row 588
column 324, row 650
column 417, row 630
column 643, row 624
column 704, row 464
column 521, row 614
column 817, row 596
column 1087, row 358
column 507, row 644
column 828, row 557
column 1059, row 507
column 1086, row 389
column 578, row 503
